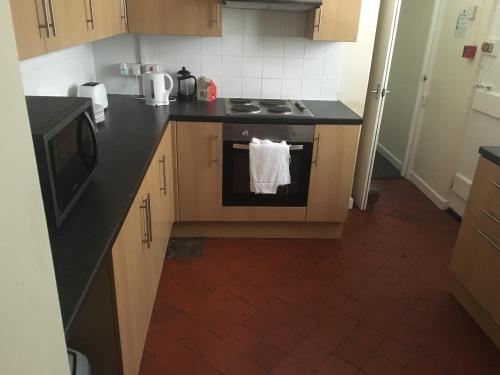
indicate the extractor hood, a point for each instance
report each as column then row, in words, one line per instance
column 285, row 5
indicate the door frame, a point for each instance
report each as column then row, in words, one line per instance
column 417, row 117
column 381, row 87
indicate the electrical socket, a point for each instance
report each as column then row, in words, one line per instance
column 150, row 68
column 130, row 69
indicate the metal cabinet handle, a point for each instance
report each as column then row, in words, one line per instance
column 238, row 146
column 487, row 238
column 45, row 26
column 52, row 18
column 150, row 224
column 91, row 20
column 492, row 216
column 318, row 26
column 217, row 138
column 218, row 5
column 495, row 184
column 164, row 188
column 316, row 139
column 146, row 235
column 124, row 14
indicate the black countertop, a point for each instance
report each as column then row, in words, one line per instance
column 492, row 153
column 127, row 142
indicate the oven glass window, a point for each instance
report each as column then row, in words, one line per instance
column 72, row 158
column 236, row 180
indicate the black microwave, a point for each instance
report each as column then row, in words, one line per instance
column 64, row 137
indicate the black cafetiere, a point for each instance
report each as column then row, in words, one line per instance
column 185, row 89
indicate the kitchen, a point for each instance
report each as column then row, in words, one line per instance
column 154, row 172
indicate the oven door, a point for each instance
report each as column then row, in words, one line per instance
column 72, row 158
column 236, row 178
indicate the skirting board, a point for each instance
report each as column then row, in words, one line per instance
column 391, row 158
column 481, row 317
column 432, row 194
column 258, row 230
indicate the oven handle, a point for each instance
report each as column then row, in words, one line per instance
column 238, row 146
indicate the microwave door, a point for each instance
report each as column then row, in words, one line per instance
column 87, row 142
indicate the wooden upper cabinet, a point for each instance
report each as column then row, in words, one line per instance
column 69, row 23
column 175, row 17
column 199, row 160
column 31, row 26
column 335, row 20
column 105, row 18
column 332, row 172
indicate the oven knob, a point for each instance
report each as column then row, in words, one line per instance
column 245, row 133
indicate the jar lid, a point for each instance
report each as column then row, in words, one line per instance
column 183, row 72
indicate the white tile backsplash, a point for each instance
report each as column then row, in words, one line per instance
column 252, row 45
column 260, row 54
column 273, row 46
column 232, row 66
column 59, row 73
column 252, row 67
column 251, row 87
column 271, row 88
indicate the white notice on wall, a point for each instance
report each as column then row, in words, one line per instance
column 462, row 23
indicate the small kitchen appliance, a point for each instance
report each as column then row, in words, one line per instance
column 65, row 143
column 157, row 88
column 96, row 91
column 187, row 85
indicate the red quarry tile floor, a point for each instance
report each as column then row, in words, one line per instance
column 374, row 303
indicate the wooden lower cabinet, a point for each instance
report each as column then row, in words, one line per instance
column 475, row 263
column 332, row 172
column 199, row 162
column 138, row 254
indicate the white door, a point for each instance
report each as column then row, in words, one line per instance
column 379, row 76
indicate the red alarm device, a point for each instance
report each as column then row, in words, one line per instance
column 469, row 52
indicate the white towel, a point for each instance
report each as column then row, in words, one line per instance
column 269, row 166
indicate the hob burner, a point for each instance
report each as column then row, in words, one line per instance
column 240, row 101
column 245, row 108
column 280, row 109
column 272, row 102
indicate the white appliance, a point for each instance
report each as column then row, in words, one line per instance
column 96, row 91
column 157, row 88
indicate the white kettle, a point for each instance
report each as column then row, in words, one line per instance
column 157, row 88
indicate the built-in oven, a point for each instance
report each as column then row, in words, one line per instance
column 236, row 171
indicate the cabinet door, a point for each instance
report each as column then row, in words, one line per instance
column 159, row 180
column 199, row 161
column 130, row 271
column 175, row 17
column 31, row 27
column 69, row 23
column 332, row 172
column 476, row 259
column 117, row 16
column 335, row 20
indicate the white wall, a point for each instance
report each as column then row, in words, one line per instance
column 31, row 332
column 404, row 79
column 58, row 73
column 482, row 129
column 357, row 59
column 449, row 95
